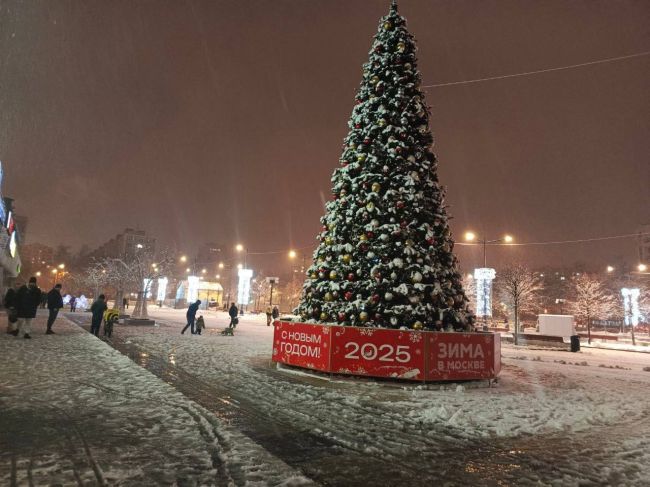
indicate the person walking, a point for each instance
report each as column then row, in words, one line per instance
column 269, row 314
column 97, row 309
column 125, row 303
column 54, row 304
column 233, row 312
column 27, row 300
column 73, row 304
column 191, row 316
column 276, row 313
column 10, row 305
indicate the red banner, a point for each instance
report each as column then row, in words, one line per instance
column 378, row 352
column 302, row 345
column 454, row 356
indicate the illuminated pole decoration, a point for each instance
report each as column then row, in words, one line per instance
column 244, row 286
column 147, row 282
column 162, row 289
column 631, row 306
column 192, row 288
column 484, row 277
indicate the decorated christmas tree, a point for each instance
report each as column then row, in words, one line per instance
column 385, row 254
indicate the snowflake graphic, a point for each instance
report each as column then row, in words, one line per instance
column 415, row 337
column 367, row 332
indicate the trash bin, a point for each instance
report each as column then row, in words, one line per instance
column 575, row 343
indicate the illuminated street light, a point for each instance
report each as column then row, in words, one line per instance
column 221, row 266
column 508, row 239
column 203, row 271
column 139, row 246
column 239, row 247
column 61, row 266
column 183, row 258
column 610, row 268
column 642, row 267
column 292, row 254
column 218, row 276
column 240, row 266
column 470, row 236
column 54, row 271
column 38, row 274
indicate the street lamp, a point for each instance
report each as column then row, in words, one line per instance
column 610, row 269
column 472, row 237
column 183, row 258
column 240, row 248
column 61, row 266
column 642, row 267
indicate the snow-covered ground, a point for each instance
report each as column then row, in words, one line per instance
column 73, row 411
column 555, row 417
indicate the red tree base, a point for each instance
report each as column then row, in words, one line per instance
column 398, row 354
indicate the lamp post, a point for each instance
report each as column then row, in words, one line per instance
column 484, row 276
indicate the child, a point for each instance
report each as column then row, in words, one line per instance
column 199, row 325
column 111, row 316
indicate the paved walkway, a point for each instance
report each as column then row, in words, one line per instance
column 73, row 411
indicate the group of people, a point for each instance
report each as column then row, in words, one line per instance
column 197, row 325
column 22, row 302
column 272, row 314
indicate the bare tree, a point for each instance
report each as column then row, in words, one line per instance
column 590, row 299
column 293, row 290
column 93, row 277
column 261, row 290
column 519, row 289
column 145, row 268
column 120, row 276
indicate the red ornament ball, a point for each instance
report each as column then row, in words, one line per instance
column 351, row 277
column 341, row 317
column 375, row 298
column 399, row 204
column 348, row 296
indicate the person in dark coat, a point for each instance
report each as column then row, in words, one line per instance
column 27, row 300
column 191, row 316
column 125, row 303
column 10, row 305
column 275, row 313
column 73, row 304
column 97, row 309
column 233, row 312
column 43, row 299
column 54, row 304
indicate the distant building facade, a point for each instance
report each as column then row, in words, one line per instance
column 124, row 245
column 36, row 254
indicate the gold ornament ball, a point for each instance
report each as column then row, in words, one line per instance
column 323, row 316
column 401, row 47
column 374, row 80
column 449, row 301
column 363, row 317
column 363, row 237
column 333, row 275
column 418, row 325
column 375, row 187
column 381, row 122
column 331, row 226
column 388, row 25
column 313, row 275
column 370, row 206
column 347, row 258
column 328, row 241
column 328, row 297
column 361, row 157
column 409, row 243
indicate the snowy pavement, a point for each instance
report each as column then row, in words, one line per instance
column 554, row 418
column 73, row 411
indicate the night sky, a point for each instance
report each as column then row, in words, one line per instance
column 223, row 120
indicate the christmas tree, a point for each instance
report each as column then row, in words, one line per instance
column 385, row 257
